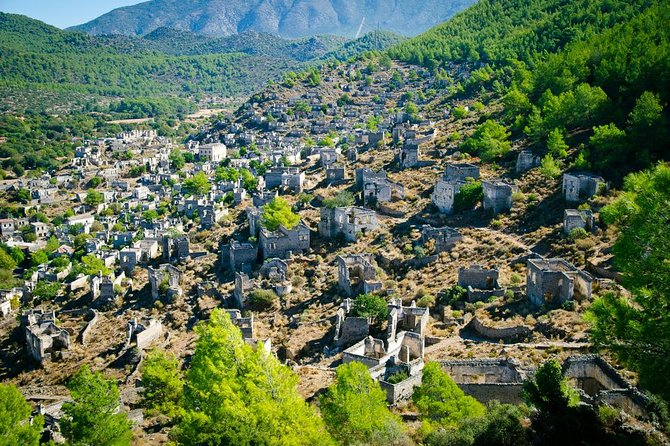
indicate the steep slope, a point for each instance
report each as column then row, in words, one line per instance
column 498, row 30
column 287, row 18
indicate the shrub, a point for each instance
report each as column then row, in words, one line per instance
column 427, row 301
column 608, row 415
column 468, row 196
column 398, row 377
column 263, row 299
column 371, row 306
column 549, row 167
column 578, row 234
column 518, row 196
column 454, row 294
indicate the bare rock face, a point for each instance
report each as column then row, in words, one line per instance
column 287, row 18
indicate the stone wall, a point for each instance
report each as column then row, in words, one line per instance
column 402, row 391
column 508, row 393
column 516, row 333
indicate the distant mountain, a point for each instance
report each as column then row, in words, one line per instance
column 286, row 18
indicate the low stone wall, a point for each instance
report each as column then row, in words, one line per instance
column 516, row 333
column 89, row 327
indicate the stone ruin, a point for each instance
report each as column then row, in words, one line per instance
column 356, row 274
column 445, row 238
column 501, row 379
column 526, row 160
column 412, row 319
column 349, row 329
column 246, row 326
column 347, row 221
column 574, row 219
column 481, row 283
column 176, row 248
column 236, row 256
column 275, row 272
column 555, row 281
column 581, row 185
column 498, row 196
column 143, row 333
column 165, row 282
column 45, row 340
column 243, row 286
column 455, row 177
column 336, row 173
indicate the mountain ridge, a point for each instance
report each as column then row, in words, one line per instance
column 285, row 18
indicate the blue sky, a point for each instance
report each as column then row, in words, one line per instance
column 63, row 13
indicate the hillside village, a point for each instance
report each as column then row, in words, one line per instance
column 486, row 268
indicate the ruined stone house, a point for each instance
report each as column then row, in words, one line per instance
column 555, row 281
column 284, row 243
column 455, row 177
column 481, row 283
column 444, row 238
column 144, row 333
column 45, row 340
column 165, row 282
column 347, row 221
column 356, row 274
column 236, row 256
column 498, row 196
column 582, row 185
column 576, row 219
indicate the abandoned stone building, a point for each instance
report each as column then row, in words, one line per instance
column 555, row 281
column 406, row 347
column 481, row 283
column 526, row 160
column 290, row 178
column 488, row 379
column 576, row 219
column 349, row 329
column 176, row 248
column 461, row 172
column 498, row 196
column 409, row 154
column 284, row 243
column 45, row 340
column 214, row 153
column 356, row 274
column 365, row 174
column 274, row 274
column 243, row 286
column 102, row 291
column 245, row 324
column 444, row 239
column 580, row 186
column 254, row 216
column 236, row 256
column 329, row 156
column 401, row 318
column 349, row 222
column 165, row 282
column 144, row 333
column 129, row 258
column 376, row 190
column 336, row 173
column 456, row 175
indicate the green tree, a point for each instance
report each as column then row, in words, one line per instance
column 46, row 291
column 355, row 411
column 549, row 168
column 490, row 141
column 92, row 265
column 556, row 144
column 39, row 258
column 342, row 199
column 371, row 306
column 198, row 184
column 177, row 159
column 94, row 198
column 278, row 213
column 609, row 149
column 163, row 383
column 239, row 395
column 468, row 196
column 441, row 402
column 7, row 261
column 15, row 428
column 93, row 418
column 638, row 329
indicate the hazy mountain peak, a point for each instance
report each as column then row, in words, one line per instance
column 287, row 18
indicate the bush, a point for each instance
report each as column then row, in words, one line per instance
column 454, row 294
column 490, row 141
column 263, row 299
column 608, row 415
column 426, row 301
column 468, row 196
column 578, row 234
column 397, row 377
column 371, row 306
column 549, row 168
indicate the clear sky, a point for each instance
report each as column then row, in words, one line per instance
column 63, row 13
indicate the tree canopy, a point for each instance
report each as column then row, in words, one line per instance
column 14, row 416
column 278, row 213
